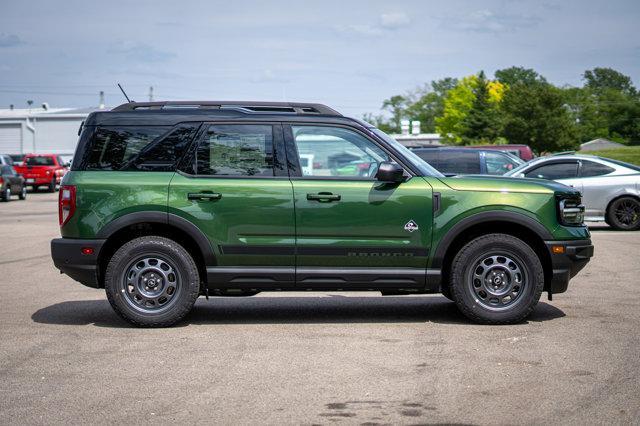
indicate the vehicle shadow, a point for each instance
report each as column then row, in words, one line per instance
column 334, row 309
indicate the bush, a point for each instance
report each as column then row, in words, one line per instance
column 628, row 154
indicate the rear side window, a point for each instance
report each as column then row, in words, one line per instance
column 236, row 150
column 591, row 169
column 555, row 171
column 114, row 148
column 430, row 156
column 40, row 160
column 459, row 162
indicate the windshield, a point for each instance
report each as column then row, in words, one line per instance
column 422, row 165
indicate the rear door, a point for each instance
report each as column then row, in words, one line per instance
column 352, row 230
column 234, row 187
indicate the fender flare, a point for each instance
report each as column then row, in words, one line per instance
column 166, row 219
column 483, row 217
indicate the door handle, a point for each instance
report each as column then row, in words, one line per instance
column 324, row 197
column 204, row 196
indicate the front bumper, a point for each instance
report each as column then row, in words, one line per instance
column 68, row 258
column 565, row 266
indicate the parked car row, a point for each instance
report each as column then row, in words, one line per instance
column 34, row 170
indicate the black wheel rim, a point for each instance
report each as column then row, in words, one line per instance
column 497, row 281
column 151, row 284
column 627, row 213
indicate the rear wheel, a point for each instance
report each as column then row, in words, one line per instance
column 23, row 193
column 496, row 279
column 624, row 214
column 152, row 282
column 6, row 194
column 52, row 185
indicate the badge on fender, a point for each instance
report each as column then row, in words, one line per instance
column 411, row 226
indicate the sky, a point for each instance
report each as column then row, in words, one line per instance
column 350, row 55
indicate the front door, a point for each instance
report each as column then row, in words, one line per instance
column 353, row 231
column 234, row 187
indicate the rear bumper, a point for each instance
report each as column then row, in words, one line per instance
column 577, row 254
column 68, row 258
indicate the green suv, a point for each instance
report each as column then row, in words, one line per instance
column 169, row 201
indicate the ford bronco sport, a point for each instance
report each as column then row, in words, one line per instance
column 169, row 201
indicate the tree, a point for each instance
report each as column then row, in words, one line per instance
column 601, row 79
column 536, row 115
column 427, row 103
column 482, row 122
column 519, row 75
column 396, row 106
column 470, row 111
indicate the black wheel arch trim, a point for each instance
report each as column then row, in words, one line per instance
column 478, row 218
column 166, row 219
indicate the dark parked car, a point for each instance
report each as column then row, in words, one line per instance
column 11, row 183
column 468, row 161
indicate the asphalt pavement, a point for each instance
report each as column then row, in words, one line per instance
column 312, row 358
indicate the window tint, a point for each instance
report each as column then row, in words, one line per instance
column 590, row 169
column 498, row 163
column 555, row 171
column 429, row 155
column 236, row 150
column 459, row 162
column 163, row 154
column 113, row 148
column 39, row 161
column 336, row 152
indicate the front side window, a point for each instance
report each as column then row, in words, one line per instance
column 325, row 151
column 498, row 163
column 591, row 169
column 567, row 170
column 114, row 147
column 236, row 150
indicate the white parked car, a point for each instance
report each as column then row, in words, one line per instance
column 610, row 188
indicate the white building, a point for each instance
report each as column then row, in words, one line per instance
column 40, row 130
column 412, row 137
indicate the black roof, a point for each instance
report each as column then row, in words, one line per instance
column 173, row 112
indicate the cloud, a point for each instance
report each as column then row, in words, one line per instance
column 141, row 52
column 486, row 21
column 394, row 21
column 268, row 76
column 386, row 22
column 10, row 40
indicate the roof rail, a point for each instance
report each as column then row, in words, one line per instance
column 265, row 107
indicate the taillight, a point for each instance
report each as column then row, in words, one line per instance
column 66, row 203
column 1, row 181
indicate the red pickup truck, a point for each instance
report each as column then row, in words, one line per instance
column 42, row 170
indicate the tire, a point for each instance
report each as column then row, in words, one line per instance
column 624, row 214
column 6, row 194
column 142, row 272
column 23, row 193
column 496, row 279
column 52, row 185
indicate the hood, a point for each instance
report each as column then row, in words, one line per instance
column 506, row 184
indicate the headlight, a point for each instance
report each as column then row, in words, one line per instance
column 571, row 212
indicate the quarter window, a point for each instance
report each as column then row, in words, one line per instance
column 336, row 152
column 236, row 150
column 591, row 169
column 568, row 170
column 114, row 148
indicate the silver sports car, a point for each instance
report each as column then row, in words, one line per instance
column 610, row 188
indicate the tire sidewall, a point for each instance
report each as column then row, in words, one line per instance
column 613, row 221
column 185, row 267
column 496, row 244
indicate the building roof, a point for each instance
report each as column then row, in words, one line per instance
column 598, row 144
column 22, row 113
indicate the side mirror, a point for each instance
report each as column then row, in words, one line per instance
column 390, row 172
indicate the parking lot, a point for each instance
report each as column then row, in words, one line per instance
column 351, row 358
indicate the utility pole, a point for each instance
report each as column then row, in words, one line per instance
column 150, row 93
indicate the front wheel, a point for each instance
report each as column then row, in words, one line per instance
column 6, row 194
column 52, row 185
column 496, row 279
column 152, row 282
column 624, row 214
column 23, row 193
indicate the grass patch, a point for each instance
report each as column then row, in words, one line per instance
column 630, row 154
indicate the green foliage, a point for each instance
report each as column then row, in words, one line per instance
column 535, row 115
column 520, row 106
column 629, row 154
column 519, row 75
